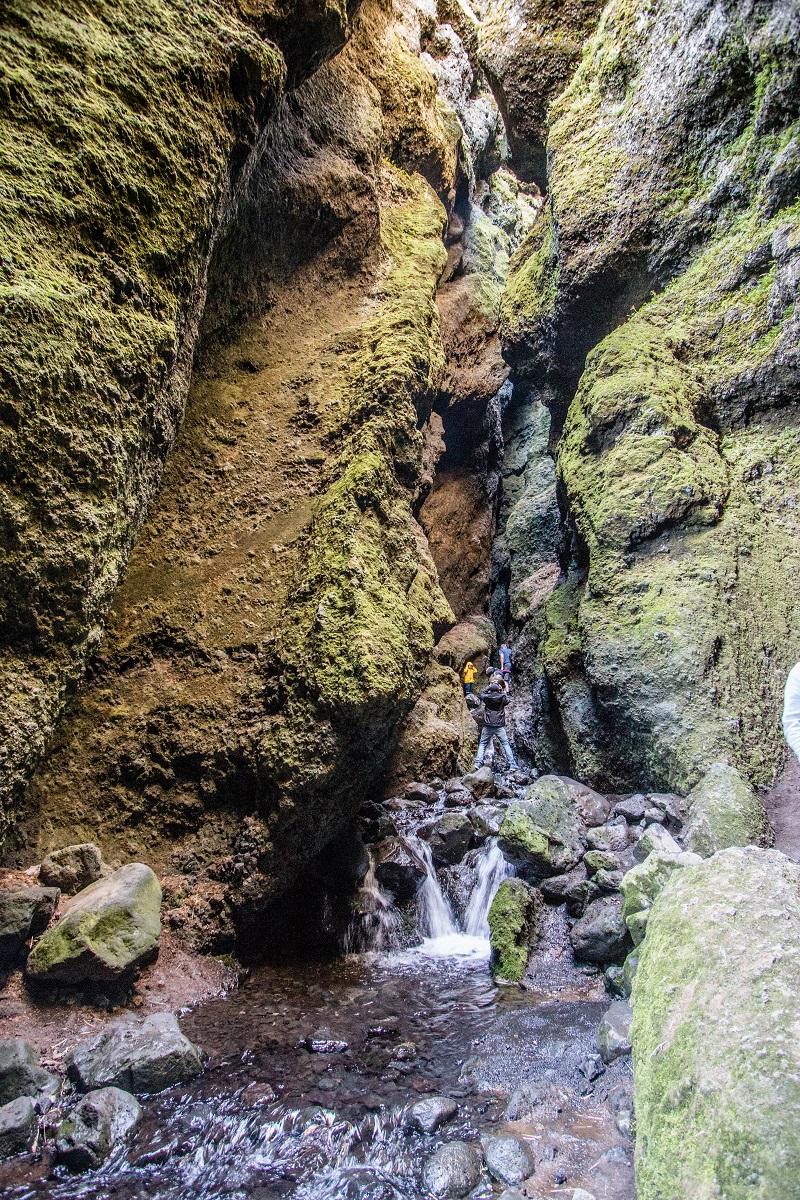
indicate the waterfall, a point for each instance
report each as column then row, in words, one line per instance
column 491, row 869
column 435, row 913
column 376, row 923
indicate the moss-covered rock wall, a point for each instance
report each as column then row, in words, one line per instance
column 281, row 603
column 654, row 310
column 127, row 131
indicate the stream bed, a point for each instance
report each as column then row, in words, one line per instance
column 314, row 1067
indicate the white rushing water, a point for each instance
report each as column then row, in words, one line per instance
column 491, row 869
column 441, row 935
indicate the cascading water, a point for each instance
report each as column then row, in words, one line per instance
column 491, row 869
column 376, row 924
column 435, row 914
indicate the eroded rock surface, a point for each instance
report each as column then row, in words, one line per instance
column 715, row 1057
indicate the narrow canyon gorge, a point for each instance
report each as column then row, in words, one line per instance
column 343, row 344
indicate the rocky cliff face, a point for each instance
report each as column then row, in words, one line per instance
column 116, row 191
column 382, row 400
column 653, row 309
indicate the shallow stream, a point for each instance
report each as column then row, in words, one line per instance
column 313, row 1069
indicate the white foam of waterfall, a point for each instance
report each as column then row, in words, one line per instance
column 435, row 914
column 491, row 869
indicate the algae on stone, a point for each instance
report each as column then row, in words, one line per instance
column 675, row 230
column 542, row 834
column 725, row 811
column 715, row 1052
column 513, row 926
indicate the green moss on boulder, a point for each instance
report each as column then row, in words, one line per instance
column 513, row 925
column 543, row 833
column 109, row 930
column 725, row 811
column 642, row 884
column 716, row 1069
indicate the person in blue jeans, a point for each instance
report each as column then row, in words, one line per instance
column 494, row 699
column 505, row 663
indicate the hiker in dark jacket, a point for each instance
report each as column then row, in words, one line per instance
column 494, row 699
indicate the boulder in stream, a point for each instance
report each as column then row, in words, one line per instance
column 725, row 811
column 513, row 928
column 601, row 935
column 24, row 913
column 543, row 834
column 20, row 1073
column 450, row 837
column 430, row 1114
column 109, row 930
column 510, row 1159
column 716, row 1055
column 98, row 1123
column 480, row 783
column 453, row 1171
column 139, row 1054
column 398, row 869
column 72, row 869
column 18, row 1125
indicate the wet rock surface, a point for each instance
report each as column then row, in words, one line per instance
column 19, row 1124
column 141, row 1055
column 20, row 1073
column 24, row 913
column 108, row 930
column 95, row 1127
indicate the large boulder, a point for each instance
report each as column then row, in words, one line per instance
column 725, row 811
column 399, row 869
column 543, row 834
column 513, row 927
column 20, row 1073
column 24, row 913
column 642, row 884
column 450, row 838
column 601, row 935
column 716, row 1054
column 138, row 1054
column 108, row 931
column 72, row 869
column 18, row 1125
column 98, row 1123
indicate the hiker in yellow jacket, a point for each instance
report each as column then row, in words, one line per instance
column 469, row 678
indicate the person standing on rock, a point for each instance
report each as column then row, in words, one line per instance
column 494, row 699
column 469, row 677
column 505, row 663
column 791, row 709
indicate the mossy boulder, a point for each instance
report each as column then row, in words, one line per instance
column 543, row 833
column 642, row 884
column 108, row 931
column 714, row 1032
column 513, row 928
column 725, row 811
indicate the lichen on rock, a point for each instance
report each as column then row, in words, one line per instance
column 715, row 1059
